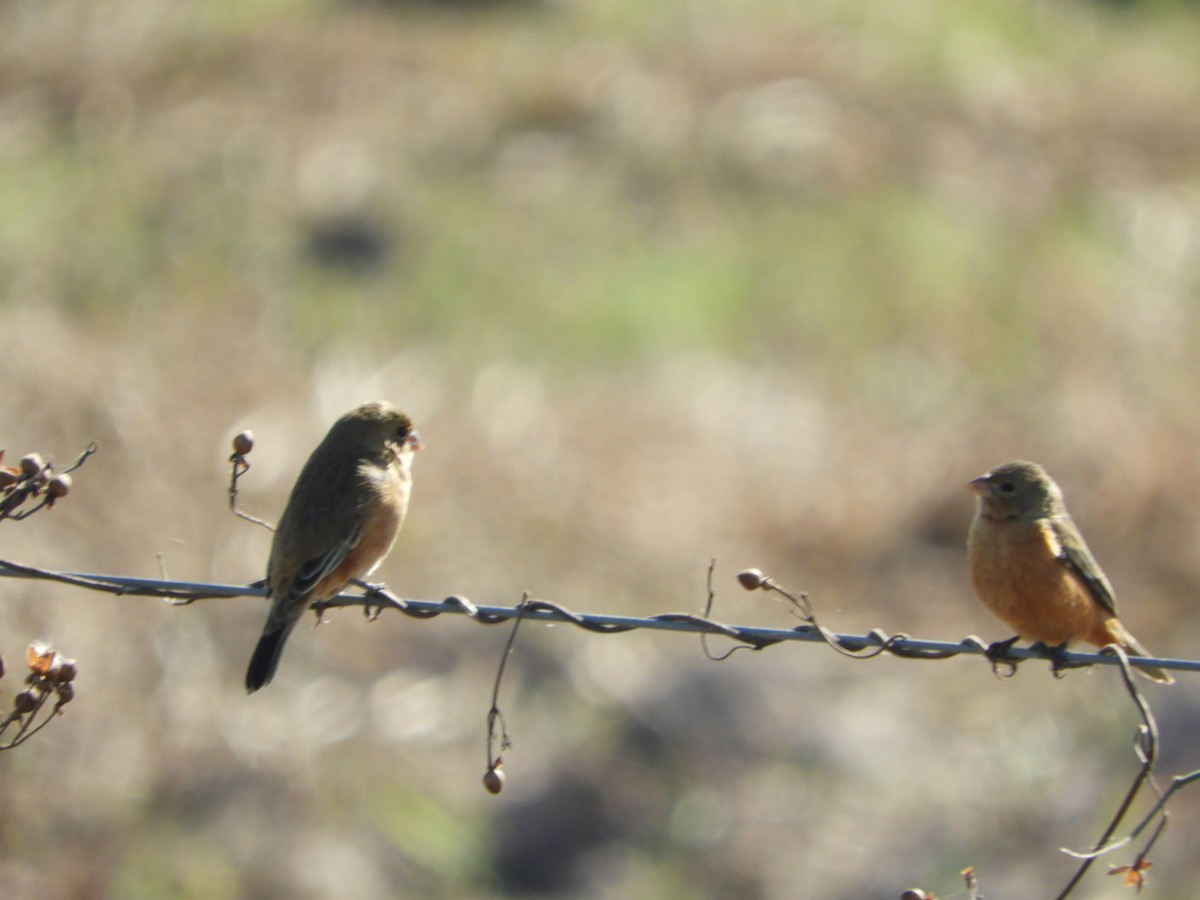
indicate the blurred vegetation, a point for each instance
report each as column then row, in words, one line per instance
column 659, row 282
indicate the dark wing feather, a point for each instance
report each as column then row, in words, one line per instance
column 310, row 575
column 1078, row 558
column 318, row 567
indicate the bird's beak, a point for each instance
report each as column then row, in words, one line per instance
column 414, row 440
column 978, row 485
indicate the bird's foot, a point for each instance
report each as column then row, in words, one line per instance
column 997, row 655
column 1057, row 655
column 377, row 592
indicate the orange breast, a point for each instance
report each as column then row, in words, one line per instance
column 383, row 516
column 1018, row 575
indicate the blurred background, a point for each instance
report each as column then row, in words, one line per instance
column 659, row 282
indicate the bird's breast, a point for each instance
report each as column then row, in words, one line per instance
column 1018, row 573
column 385, row 509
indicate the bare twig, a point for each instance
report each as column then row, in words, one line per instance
column 753, row 579
column 971, row 882
column 708, row 605
column 493, row 778
column 1146, row 747
column 35, row 477
column 81, row 458
column 1157, row 812
column 243, row 443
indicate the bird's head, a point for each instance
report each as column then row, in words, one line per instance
column 381, row 424
column 1017, row 490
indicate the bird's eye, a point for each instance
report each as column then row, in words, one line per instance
column 1008, row 487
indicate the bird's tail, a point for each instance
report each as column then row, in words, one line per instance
column 266, row 655
column 1122, row 636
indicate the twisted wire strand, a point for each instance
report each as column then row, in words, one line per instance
column 377, row 597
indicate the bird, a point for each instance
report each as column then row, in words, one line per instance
column 341, row 520
column 1032, row 568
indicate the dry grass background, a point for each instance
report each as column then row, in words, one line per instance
column 659, row 282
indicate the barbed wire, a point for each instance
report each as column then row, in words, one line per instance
column 1003, row 656
column 376, row 597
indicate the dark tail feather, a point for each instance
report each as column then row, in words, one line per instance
column 1135, row 649
column 1154, row 673
column 266, row 657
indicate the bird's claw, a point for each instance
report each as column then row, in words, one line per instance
column 1057, row 656
column 373, row 591
column 997, row 654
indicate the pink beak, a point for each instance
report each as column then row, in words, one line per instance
column 978, row 485
column 414, row 440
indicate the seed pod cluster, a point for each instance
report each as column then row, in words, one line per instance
column 32, row 477
column 51, row 676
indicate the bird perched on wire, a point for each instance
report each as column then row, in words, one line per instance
column 341, row 520
column 1032, row 568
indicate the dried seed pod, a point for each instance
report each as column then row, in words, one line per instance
column 31, row 464
column 59, row 485
column 8, row 477
column 25, row 702
column 494, row 779
column 66, row 693
column 52, row 670
column 751, row 579
column 243, row 442
column 40, row 656
column 66, row 670
column 1, row 666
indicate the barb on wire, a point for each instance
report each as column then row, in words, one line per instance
column 1145, row 746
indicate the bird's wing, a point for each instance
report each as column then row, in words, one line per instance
column 1076, row 556
column 318, row 528
column 313, row 570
